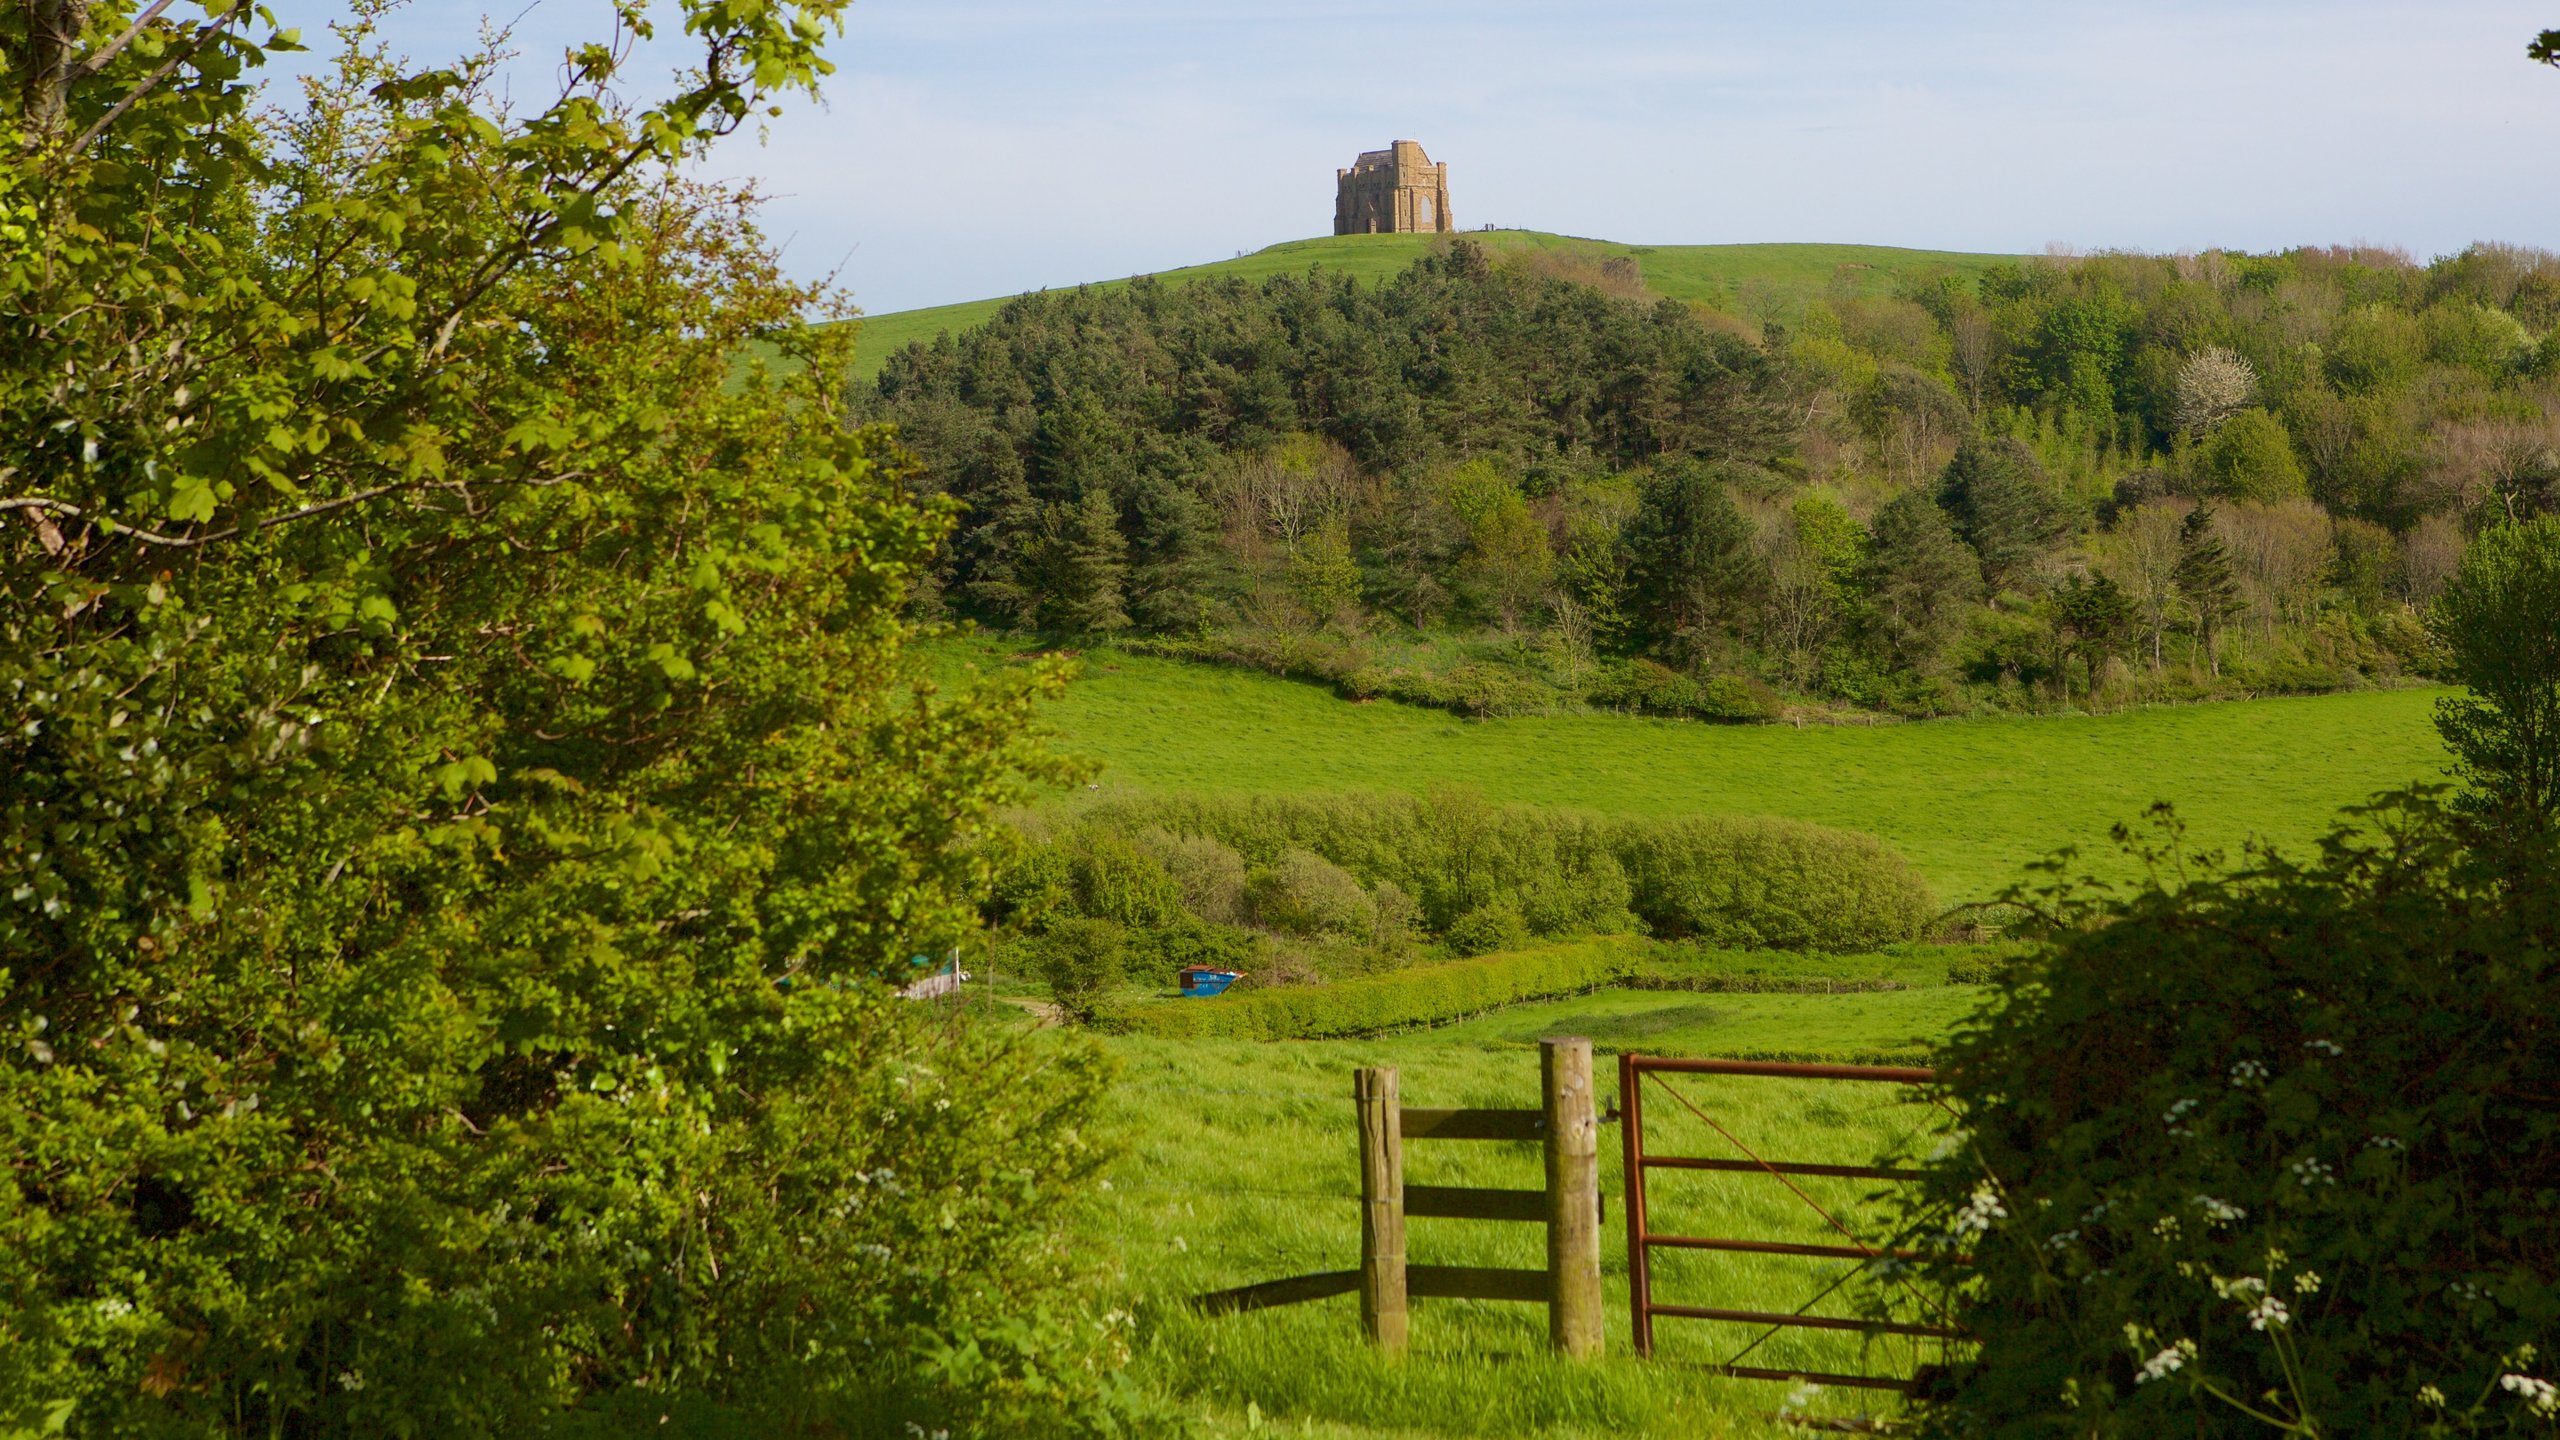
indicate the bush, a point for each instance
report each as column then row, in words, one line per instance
column 1080, row 960
column 1115, row 881
column 1305, row 894
column 1778, row 884
column 1210, row 874
column 1420, row 995
column 2286, row 1136
column 1492, row 926
column 1158, row 956
column 1450, row 853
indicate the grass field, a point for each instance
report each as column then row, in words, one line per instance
column 1971, row 802
column 1757, row 281
column 1242, row 1168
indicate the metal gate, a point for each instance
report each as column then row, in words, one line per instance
column 1634, row 1072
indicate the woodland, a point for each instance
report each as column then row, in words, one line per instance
column 1510, row 484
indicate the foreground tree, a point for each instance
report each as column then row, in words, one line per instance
column 460, row 793
column 2499, row 623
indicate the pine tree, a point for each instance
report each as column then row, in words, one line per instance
column 1918, row 577
column 1997, row 496
column 1691, row 559
column 1083, row 567
column 2205, row 578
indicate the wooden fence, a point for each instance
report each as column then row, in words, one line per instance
column 1568, row 1123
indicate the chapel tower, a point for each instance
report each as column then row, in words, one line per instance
column 1395, row 191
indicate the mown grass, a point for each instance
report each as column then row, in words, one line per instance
column 1241, row 1167
column 1754, row 281
column 1971, row 802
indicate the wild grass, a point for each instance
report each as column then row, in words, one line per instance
column 1751, row 282
column 1970, row 802
column 1242, row 1167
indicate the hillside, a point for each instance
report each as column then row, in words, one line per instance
column 1971, row 802
column 1744, row 280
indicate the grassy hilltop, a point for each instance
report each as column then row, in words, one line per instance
column 1747, row 280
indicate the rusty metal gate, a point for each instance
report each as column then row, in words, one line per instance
column 1634, row 1072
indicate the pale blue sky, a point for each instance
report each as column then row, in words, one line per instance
column 981, row 147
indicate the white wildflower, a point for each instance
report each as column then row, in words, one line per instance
column 350, row 1379
column 2311, row 1172
column 2171, row 1359
column 2248, row 1073
column 2385, row 1142
column 2540, row 1396
column 2325, row 1047
column 2220, row 1212
column 2269, row 1314
column 2247, row 1287
column 1976, row 1217
column 2179, row 1111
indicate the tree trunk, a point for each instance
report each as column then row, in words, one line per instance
column 54, row 28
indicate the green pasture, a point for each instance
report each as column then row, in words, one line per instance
column 1755, row 281
column 1241, row 1167
column 1971, row 802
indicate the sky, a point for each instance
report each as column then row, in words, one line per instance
column 969, row 148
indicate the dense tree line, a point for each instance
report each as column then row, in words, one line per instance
column 2065, row 480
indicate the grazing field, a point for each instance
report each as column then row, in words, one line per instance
column 1754, row 281
column 1241, row 1167
column 1971, row 802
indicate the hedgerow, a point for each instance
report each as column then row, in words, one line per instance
column 1742, row 880
column 2277, row 1152
column 1419, row 995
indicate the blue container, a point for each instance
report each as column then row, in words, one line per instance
column 1201, row 980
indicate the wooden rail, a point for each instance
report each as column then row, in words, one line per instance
column 1566, row 1126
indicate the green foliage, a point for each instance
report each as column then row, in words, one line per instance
column 2267, row 1149
column 2249, row 457
column 1080, row 959
column 1690, row 558
column 2499, row 623
column 1399, row 999
column 1378, row 371
column 1777, row 884
column 1306, row 894
column 464, row 786
column 1921, row 577
column 1492, row 926
column 1116, row 881
column 2003, row 507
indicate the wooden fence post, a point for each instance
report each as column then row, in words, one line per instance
column 1573, row 1197
column 1382, row 1288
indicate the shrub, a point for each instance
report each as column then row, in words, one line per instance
column 1780, row 884
column 1210, row 874
column 1306, row 894
column 1115, row 881
column 1450, row 852
column 1492, row 926
column 1080, row 960
column 2283, row 1138
column 1398, row 916
column 1158, row 956
column 1419, row 995
column 1645, row 685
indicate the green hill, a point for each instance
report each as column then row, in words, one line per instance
column 1971, row 802
column 1754, row 281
